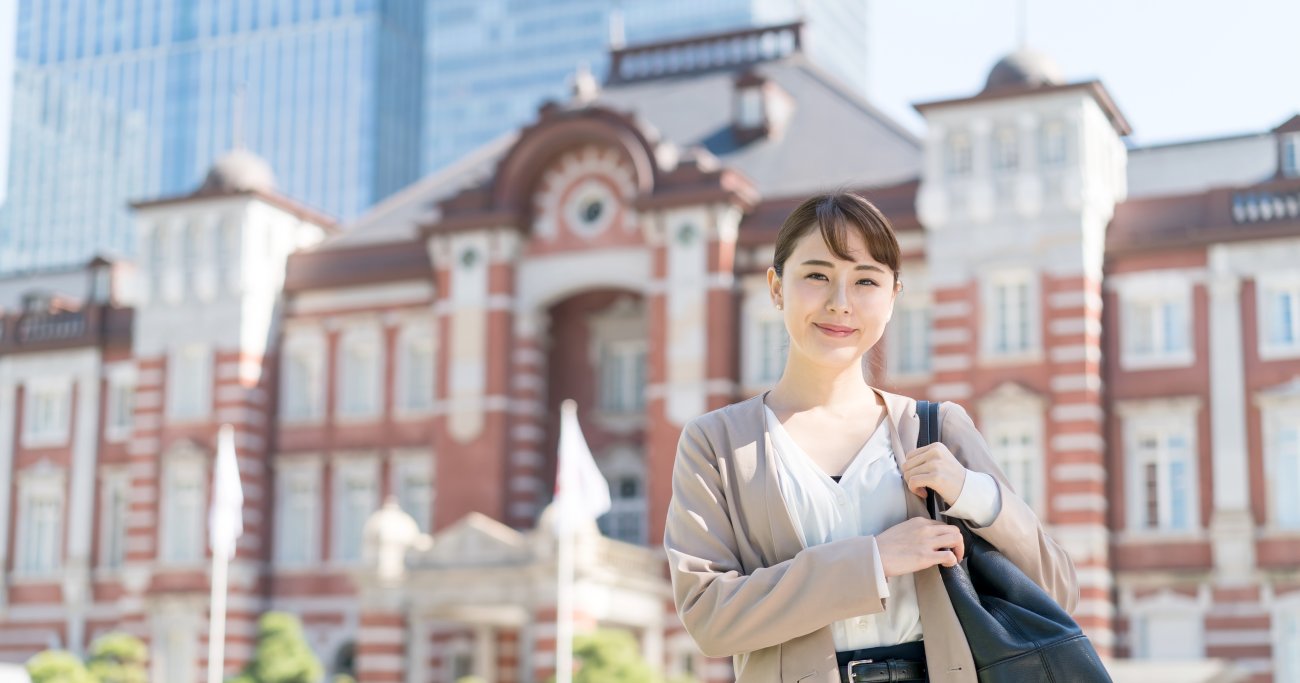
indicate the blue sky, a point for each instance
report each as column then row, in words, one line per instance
column 1178, row 70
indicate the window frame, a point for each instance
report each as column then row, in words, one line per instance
column 1164, row 418
column 59, row 428
column 342, row 468
column 418, row 464
column 360, row 337
column 112, row 527
column 991, row 322
column 196, row 381
column 1155, row 298
column 188, row 463
column 290, row 522
column 309, row 346
column 412, row 336
column 46, row 483
column 1277, row 412
column 1271, row 284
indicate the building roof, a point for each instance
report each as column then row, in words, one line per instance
column 1023, row 69
column 1223, row 214
column 833, row 138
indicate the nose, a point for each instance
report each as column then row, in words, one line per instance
column 839, row 300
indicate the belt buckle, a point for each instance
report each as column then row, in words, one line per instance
column 853, row 677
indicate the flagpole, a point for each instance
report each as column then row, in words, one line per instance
column 564, row 574
column 217, row 619
column 225, row 524
column 564, row 608
column 581, row 496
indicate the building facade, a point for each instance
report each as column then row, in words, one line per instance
column 1121, row 323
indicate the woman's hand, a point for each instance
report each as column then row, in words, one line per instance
column 918, row 543
column 934, row 467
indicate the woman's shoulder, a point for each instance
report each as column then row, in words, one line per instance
column 741, row 417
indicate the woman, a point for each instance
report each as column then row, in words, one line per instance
column 797, row 536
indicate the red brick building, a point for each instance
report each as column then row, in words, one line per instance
column 1124, row 324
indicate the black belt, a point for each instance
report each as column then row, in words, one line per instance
column 888, row 664
column 888, row 671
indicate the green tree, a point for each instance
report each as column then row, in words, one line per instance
column 119, row 658
column 57, row 666
column 610, row 656
column 282, row 654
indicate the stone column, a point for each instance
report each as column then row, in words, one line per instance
column 1231, row 526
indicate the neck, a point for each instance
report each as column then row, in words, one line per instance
column 804, row 386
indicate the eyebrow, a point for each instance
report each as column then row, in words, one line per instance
column 828, row 264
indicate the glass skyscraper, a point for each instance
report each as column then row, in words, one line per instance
column 490, row 63
column 327, row 91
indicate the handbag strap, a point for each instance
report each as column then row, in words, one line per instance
column 928, row 413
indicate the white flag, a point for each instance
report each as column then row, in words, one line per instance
column 226, row 519
column 581, row 491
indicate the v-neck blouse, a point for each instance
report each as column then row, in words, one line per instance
column 868, row 499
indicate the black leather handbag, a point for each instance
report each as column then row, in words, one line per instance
column 1016, row 631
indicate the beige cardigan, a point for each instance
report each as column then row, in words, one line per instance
column 746, row 587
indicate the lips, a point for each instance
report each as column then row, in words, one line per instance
column 834, row 330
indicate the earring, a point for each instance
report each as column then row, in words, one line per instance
column 779, row 307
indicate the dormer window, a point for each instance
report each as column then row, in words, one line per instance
column 760, row 109
column 750, row 104
column 1291, row 155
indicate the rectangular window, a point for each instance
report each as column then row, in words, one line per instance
column 189, row 383
column 1012, row 315
column 112, row 520
column 1279, row 317
column 121, row 408
column 1282, row 461
column 46, row 412
column 360, row 376
column 959, row 154
column 909, row 343
column 1006, row 150
column 298, row 521
column 40, row 535
column 415, row 375
column 183, row 513
column 623, row 377
column 302, row 383
column 1164, row 461
column 1157, row 330
column 1053, row 141
column 1016, row 450
column 413, row 482
column 357, row 498
column 626, row 519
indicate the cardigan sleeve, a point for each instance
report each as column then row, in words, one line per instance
column 728, row 611
column 1016, row 530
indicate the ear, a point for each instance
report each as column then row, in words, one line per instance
column 774, row 287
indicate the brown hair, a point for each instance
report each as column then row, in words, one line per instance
column 834, row 214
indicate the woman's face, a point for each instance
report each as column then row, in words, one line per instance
column 835, row 310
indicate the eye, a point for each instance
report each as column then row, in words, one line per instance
column 816, row 276
column 869, row 281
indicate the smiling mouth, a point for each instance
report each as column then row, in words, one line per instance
column 835, row 330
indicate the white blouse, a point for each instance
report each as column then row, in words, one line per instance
column 868, row 499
